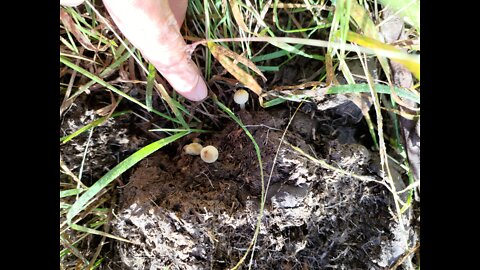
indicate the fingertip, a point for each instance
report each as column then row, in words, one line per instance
column 199, row 92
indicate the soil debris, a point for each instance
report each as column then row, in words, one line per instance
column 187, row 214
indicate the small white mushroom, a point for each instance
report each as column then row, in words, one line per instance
column 209, row 154
column 193, row 149
column 241, row 97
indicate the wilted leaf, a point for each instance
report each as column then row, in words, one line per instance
column 241, row 59
column 329, row 69
column 72, row 28
column 242, row 76
column 237, row 15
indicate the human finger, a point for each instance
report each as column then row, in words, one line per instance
column 151, row 26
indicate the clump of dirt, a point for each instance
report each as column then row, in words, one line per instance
column 186, row 214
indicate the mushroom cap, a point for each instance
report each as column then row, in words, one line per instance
column 240, row 97
column 193, row 149
column 209, row 154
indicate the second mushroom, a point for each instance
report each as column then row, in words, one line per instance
column 241, row 97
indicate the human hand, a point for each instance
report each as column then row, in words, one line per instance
column 153, row 26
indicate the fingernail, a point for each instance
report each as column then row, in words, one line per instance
column 199, row 92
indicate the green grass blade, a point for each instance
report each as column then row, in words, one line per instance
column 97, row 263
column 72, row 249
column 89, row 126
column 86, row 28
column 149, row 91
column 361, row 16
column 183, row 109
column 65, row 205
column 274, row 55
column 275, row 18
column 294, row 50
column 380, row 88
column 97, row 232
column 80, row 57
column 411, row 181
column 126, row 164
column 70, row 192
column 387, row 52
column 179, row 130
column 173, row 105
column 113, row 89
column 273, row 102
column 269, row 68
column 69, row 45
column 114, row 66
column 279, row 100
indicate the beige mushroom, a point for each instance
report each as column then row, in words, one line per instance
column 241, row 97
column 209, row 154
column 193, row 149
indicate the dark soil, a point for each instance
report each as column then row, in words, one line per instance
column 186, row 214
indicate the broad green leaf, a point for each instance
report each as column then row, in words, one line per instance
column 280, row 100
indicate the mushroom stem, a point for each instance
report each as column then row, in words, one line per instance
column 242, row 106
